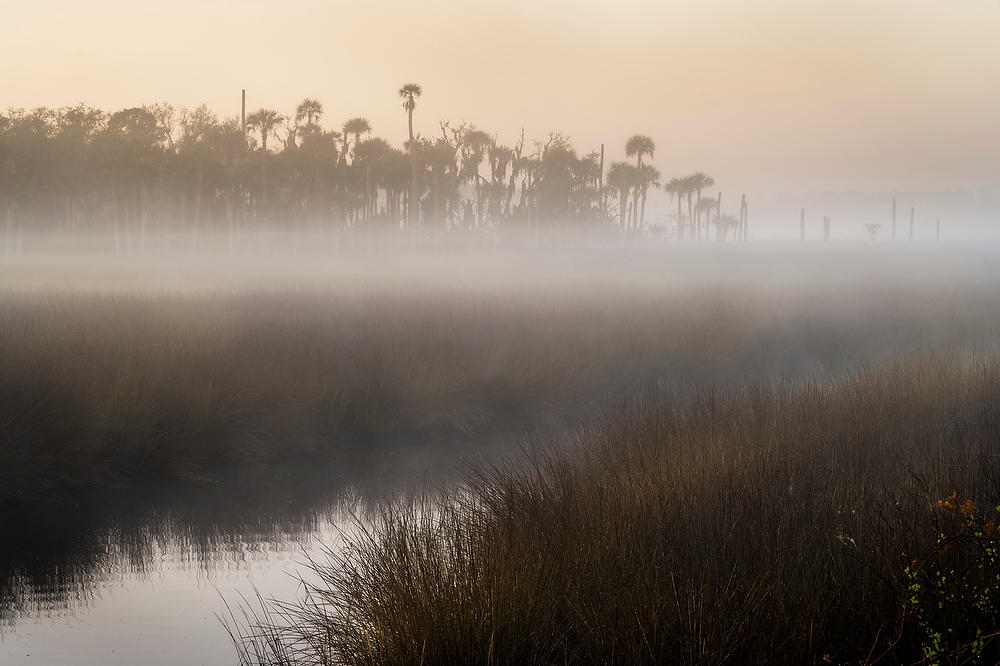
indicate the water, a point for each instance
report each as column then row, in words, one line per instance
column 143, row 578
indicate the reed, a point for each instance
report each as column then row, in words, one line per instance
column 770, row 524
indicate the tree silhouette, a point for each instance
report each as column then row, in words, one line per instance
column 309, row 110
column 370, row 153
column 676, row 189
column 265, row 121
column 649, row 176
column 410, row 92
column 638, row 145
column 474, row 146
column 357, row 127
column 621, row 178
column 698, row 182
column 80, row 169
column 703, row 211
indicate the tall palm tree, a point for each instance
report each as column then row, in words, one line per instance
column 649, row 176
column 688, row 186
column 264, row 121
column 638, row 145
column 675, row 188
column 410, row 92
column 700, row 181
column 308, row 110
column 703, row 209
column 357, row 127
column 621, row 176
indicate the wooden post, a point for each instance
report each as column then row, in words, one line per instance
column 894, row 218
column 243, row 117
column 802, row 224
column 911, row 222
column 937, row 230
column 826, row 228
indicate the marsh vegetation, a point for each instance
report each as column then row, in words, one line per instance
column 629, row 456
column 847, row 522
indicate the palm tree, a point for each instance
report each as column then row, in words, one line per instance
column 675, row 188
column 264, row 121
column 703, row 210
column 700, row 181
column 648, row 176
column 357, row 127
column 410, row 92
column 309, row 110
column 687, row 189
column 370, row 153
column 621, row 177
column 638, row 145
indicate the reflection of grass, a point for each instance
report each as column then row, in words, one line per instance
column 99, row 391
column 752, row 526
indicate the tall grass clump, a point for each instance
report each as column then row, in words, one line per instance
column 848, row 521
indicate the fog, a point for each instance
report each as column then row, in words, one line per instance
column 534, row 332
column 517, row 262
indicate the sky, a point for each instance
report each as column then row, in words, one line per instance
column 764, row 95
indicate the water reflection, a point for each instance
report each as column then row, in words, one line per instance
column 53, row 562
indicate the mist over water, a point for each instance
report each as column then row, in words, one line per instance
column 463, row 352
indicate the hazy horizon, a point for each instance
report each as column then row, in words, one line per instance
column 780, row 96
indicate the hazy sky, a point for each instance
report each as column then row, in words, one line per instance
column 776, row 94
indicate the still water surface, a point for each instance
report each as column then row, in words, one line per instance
column 143, row 579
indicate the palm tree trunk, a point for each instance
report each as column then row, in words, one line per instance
column 691, row 221
column 412, row 201
column 642, row 211
column 680, row 222
column 621, row 207
column 697, row 208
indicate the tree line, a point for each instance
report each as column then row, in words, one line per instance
column 160, row 168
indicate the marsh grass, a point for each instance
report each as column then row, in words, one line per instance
column 103, row 391
column 772, row 523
